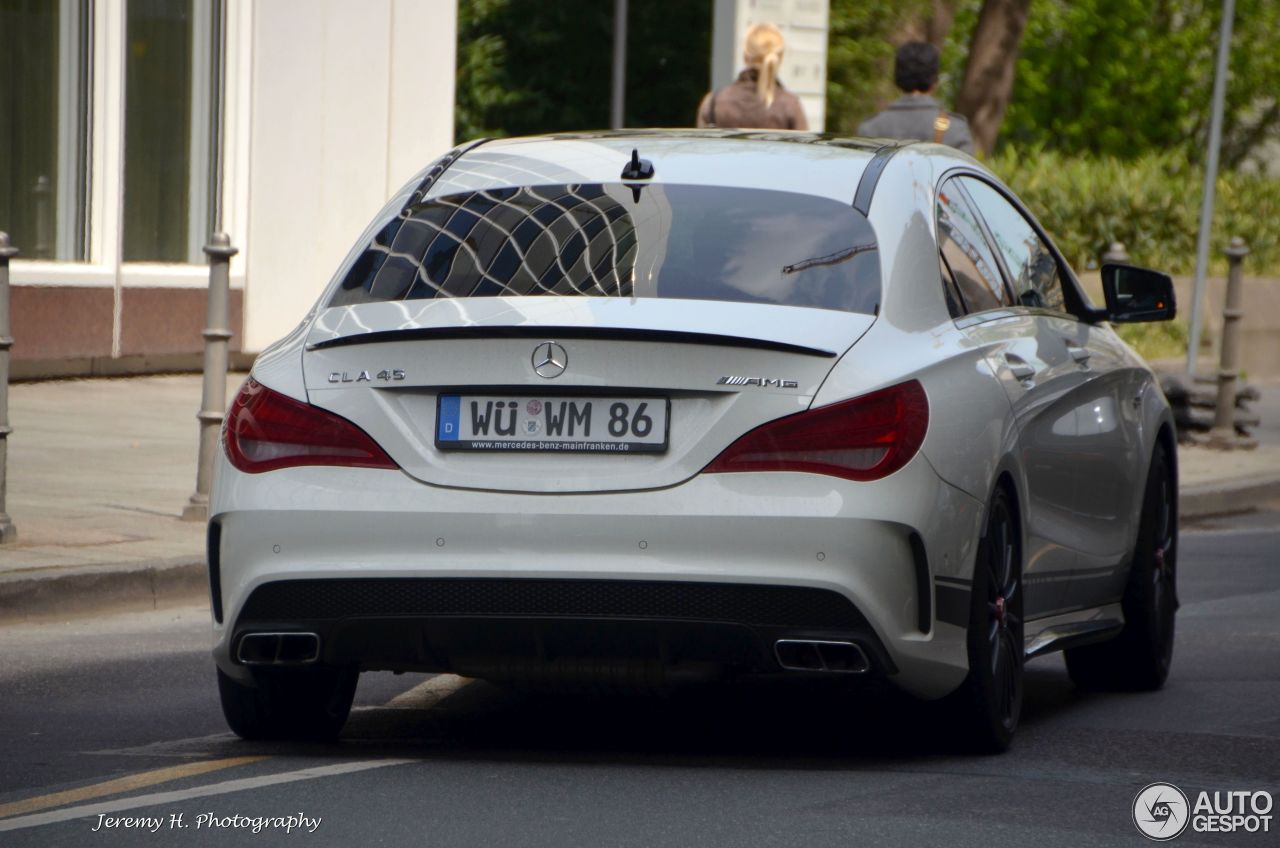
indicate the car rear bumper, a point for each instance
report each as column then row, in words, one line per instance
column 705, row 576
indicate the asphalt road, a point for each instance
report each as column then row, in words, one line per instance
column 107, row 719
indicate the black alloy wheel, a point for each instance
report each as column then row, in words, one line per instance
column 1138, row 659
column 989, row 703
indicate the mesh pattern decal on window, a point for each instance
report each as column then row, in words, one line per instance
column 511, row 241
column 669, row 241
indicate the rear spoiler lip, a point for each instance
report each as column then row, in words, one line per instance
column 569, row 332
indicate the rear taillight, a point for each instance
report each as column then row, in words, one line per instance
column 861, row 439
column 266, row 430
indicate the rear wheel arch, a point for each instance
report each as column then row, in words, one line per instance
column 1006, row 480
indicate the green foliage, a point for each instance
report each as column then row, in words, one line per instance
column 861, row 40
column 1109, row 77
column 526, row 68
column 1123, row 77
column 1159, row 339
column 1102, row 87
column 1151, row 204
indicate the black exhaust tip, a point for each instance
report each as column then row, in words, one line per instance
column 819, row 655
column 278, row 648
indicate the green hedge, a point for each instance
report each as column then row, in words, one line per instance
column 1151, row 204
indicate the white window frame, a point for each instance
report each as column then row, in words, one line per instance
column 104, row 268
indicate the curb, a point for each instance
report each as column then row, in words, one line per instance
column 137, row 587
column 91, row 590
column 1209, row 499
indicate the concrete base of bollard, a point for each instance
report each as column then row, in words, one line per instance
column 1220, row 438
column 197, row 508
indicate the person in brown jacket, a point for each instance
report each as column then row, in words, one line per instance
column 756, row 100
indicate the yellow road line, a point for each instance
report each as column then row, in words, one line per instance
column 122, row 784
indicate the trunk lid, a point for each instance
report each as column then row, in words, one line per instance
column 724, row 367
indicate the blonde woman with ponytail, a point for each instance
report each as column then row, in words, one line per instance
column 757, row 99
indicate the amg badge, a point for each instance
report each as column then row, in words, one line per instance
column 763, row 382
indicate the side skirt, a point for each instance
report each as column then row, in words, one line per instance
column 1073, row 629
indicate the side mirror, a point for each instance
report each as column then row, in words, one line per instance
column 1137, row 294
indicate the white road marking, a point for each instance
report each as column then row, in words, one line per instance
column 226, row 787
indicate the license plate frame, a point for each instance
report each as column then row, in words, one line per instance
column 564, row 423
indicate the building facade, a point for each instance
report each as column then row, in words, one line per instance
column 132, row 129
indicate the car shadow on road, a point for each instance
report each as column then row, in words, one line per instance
column 807, row 726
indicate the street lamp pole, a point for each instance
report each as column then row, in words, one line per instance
column 8, row 533
column 1210, row 180
column 619, row 64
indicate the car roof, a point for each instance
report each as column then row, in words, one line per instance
column 810, row 163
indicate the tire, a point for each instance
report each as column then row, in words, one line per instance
column 304, row 704
column 1138, row 659
column 987, row 706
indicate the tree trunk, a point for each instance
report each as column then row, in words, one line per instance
column 932, row 26
column 939, row 24
column 988, row 75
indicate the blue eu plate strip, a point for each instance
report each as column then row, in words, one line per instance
column 447, row 423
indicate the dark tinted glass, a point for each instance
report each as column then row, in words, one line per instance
column 966, row 252
column 1032, row 268
column 955, row 304
column 667, row 241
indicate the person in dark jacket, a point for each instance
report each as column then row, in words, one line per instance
column 756, row 100
column 916, row 115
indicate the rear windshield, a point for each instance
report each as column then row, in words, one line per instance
column 593, row 240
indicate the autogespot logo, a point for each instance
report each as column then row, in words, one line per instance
column 1160, row 811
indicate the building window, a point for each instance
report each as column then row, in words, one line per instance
column 44, row 98
column 173, row 79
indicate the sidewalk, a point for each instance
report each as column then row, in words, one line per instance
column 99, row 471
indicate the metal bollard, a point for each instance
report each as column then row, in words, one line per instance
column 1223, row 434
column 213, row 404
column 1115, row 254
column 43, row 194
column 8, row 533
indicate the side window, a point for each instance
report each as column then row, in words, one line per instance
column 966, row 253
column 1033, row 271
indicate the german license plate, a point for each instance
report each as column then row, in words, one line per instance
column 540, row 423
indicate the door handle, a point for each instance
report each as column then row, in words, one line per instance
column 1019, row 367
column 1080, row 354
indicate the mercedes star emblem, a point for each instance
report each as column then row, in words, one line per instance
column 549, row 360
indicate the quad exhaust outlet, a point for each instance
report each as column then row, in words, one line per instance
column 817, row 655
column 279, row 648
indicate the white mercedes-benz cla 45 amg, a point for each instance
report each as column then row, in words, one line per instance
column 647, row 407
